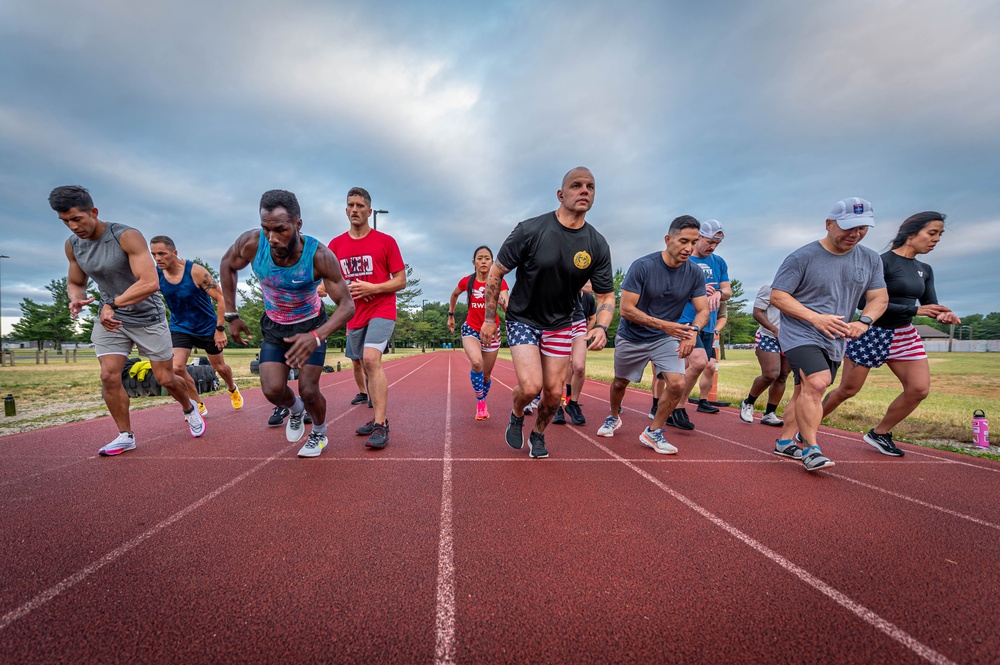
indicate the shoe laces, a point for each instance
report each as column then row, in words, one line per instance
column 313, row 440
column 295, row 419
column 610, row 421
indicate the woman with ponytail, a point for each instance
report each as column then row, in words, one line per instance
column 482, row 353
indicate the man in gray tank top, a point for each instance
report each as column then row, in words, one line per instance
column 115, row 256
column 817, row 288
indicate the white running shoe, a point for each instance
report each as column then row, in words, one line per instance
column 124, row 442
column 294, row 428
column 653, row 438
column 314, row 445
column 772, row 419
column 746, row 412
column 195, row 423
column 611, row 423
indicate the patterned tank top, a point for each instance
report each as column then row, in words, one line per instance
column 289, row 293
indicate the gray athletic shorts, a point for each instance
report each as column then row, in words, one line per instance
column 373, row 336
column 631, row 358
column 153, row 341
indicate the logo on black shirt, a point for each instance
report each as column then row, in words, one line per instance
column 582, row 260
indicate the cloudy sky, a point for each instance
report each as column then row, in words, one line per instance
column 461, row 118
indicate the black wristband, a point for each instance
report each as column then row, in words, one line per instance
column 112, row 305
column 602, row 327
column 451, row 313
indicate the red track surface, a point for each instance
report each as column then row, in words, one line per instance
column 449, row 546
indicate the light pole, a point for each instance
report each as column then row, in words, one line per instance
column 961, row 328
column 375, row 214
column 423, row 333
column 2, row 256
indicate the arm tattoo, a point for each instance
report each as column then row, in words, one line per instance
column 209, row 283
column 605, row 308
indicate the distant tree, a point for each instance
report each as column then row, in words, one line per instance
column 616, row 280
column 251, row 308
column 740, row 324
column 47, row 323
column 210, row 269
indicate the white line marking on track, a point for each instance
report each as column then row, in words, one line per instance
column 856, row 608
column 444, row 650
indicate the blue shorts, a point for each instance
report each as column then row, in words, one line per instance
column 765, row 343
column 468, row 331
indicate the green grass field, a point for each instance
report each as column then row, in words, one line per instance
column 960, row 383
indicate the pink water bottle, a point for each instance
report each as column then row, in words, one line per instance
column 980, row 429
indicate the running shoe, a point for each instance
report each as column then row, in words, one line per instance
column 236, row 398
column 787, row 449
column 537, row 442
column 611, row 423
column 202, row 409
column 360, row 398
column 772, row 419
column 124, row 442
column 560, row 417
column 883, row 443
column 679, row 419
column 653, row 438
column 294, row 428
column 704, row 406
column 307, row 419
column 814, row 460
column 278, row 417
column 652, row 414
column 379, row 437
column 513, row 435
column 369, row 427
column 314, row 445
column 746, row 412
column 575, row 413
column 195, row 423
column 798, row 438
column 482, row 413
column 532, row 406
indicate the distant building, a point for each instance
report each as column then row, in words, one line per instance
column 930, row 332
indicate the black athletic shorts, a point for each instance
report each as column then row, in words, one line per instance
column 706, row 340
column 273, row 345
column 810, row 359
column 181, row 340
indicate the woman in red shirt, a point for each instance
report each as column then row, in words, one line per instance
column 482, row 353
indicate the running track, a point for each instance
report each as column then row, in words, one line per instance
column 448, row 546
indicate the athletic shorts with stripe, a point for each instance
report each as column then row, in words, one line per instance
column 880, row 345
column 765, row 343
column 494, row 345
column 579, row 328
column 554, row 343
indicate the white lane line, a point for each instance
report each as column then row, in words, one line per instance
column 115, row 554
column 444, row 650
column 868, row 616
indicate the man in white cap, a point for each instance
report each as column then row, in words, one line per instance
column 718, row 290
column 817, row 288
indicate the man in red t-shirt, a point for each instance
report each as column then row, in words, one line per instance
column 374, row 268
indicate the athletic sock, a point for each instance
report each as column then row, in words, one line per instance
column 477, row 384
column 319, row 429
column 656, row 403
column 299, row 405
column 569, row 392
column 486, row 388
column 750, row 399
column 770, row 408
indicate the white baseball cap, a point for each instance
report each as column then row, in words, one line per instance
column 711, row 228
column 852, row 213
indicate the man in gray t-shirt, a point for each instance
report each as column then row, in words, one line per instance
column 817, row 288
column 131, row 313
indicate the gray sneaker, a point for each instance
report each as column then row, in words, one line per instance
column 653, row 438
column 537, row 442
column 772, row 419
column 611, row 423
column 314, row 445
column 513, row 435
column 789, row 450
column 814, row 460
column 293, row 428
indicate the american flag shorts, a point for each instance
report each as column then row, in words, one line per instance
column 579, row 328
column 881, row 345
column 468, row 331
column 765, row 343
column 555, row 343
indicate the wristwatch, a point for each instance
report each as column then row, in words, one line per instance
column 602, row 327
column 112, row 305
column 867, row 320
column 231, row 316
column 220, row 328
column 694, row 327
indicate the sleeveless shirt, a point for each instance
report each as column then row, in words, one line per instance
column 289, row 292
column 192, row 310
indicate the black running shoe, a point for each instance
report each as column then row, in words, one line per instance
column 369, row 427
column 679, row 419
column 514, row 437
column 883, row 443
column 704, row 406
column 575, row 413
column 537, row 442
column 559, row 418
column 360, row 398
column 306, row 419
column 379, row 437
column 278, row 417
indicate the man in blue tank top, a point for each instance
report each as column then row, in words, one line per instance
column 195, row 321
column 131, row 314
column 294, row 326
